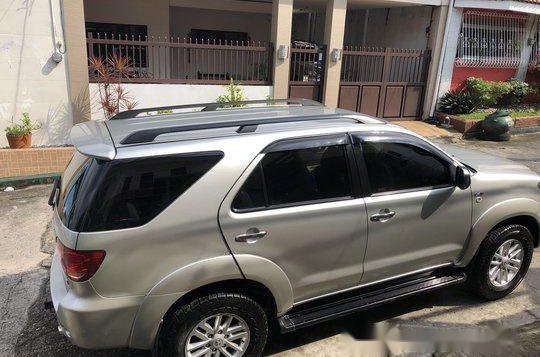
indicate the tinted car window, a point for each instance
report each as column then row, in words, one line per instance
column 396, row 166
column 296, row 176
column 252, row 193
column 127, row 193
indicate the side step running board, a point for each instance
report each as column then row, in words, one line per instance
column 325, row 309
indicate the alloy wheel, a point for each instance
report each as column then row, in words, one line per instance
column 505, row 263
column 224, row 335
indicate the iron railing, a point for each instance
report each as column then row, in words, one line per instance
column 535, row 51
column 377, row 65
column 491, row 39
column 192, row 61
column 307, row 64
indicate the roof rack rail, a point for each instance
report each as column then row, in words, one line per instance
column 244, row 126
column 214, row 106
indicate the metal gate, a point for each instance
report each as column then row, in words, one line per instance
column 306, row 72
column 386, row 83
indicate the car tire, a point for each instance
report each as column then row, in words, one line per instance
column 495, row 276
column 183, row 326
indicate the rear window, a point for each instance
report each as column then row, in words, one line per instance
column 106, row 195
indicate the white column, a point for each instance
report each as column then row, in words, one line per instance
column 282, row 11
column 526, row 49
column 334, row 31
column 448, row 55
column 435, row 44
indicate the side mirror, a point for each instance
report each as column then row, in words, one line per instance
column 463, row 178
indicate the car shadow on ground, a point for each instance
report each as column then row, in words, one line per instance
column 40, row 336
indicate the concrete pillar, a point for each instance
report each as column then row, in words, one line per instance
column 282, row 11
column 334, row 31
column 448, row 56
column 435, row 44
column 77, row 62
column 526, row 48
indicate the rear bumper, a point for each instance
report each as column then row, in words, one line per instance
column 88, row 319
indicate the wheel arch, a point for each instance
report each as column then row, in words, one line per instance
column 263, row 281
column 525, row 220
column 517, row 211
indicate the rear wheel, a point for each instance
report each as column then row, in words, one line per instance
column 502, row 261
column 221, row 324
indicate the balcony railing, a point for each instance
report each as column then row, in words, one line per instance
column 190, row 61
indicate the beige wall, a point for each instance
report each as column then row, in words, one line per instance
column 183, row 19
column 398, row 27
column 30, row 81
column 282, row 13
column 154, row 13
column 336, row 11
column 229, row 5
column 77, row 74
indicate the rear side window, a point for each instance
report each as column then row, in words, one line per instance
column 295, row 177
column 396, row 166
column 128, row 193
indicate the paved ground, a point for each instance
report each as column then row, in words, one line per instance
column 424, row 129
column 450, row 320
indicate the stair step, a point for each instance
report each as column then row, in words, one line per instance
column 363, row 298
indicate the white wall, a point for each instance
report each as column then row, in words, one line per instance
column 30, row 81
column 152, row 95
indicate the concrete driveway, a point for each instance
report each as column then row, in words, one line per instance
column 438, row 323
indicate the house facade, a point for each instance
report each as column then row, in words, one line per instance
column 491, row 39
column 387, row 58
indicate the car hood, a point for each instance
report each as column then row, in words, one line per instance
column 483, row 162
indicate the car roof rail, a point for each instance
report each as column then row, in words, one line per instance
column 244, row 126
column 128, row 114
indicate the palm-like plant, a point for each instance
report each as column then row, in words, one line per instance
column 110, row 72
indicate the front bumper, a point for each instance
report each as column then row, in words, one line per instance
column 88, row 319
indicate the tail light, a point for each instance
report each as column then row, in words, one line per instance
column 80, row 265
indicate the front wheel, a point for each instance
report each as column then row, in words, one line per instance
column 502, row 261
column 221, row 324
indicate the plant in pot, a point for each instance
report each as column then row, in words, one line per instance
column 19, row 136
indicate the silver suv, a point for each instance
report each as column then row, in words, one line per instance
column 190, row 233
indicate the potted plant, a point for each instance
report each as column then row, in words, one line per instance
column 19, row 136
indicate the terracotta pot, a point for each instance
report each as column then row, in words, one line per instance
column 20, row 142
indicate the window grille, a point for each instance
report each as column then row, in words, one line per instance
column 535, row 53
column 490, row 39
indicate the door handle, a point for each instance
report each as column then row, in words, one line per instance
column 383, row 215
column 252, row 235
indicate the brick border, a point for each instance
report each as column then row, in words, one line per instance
column 34, row 161
column 468, row 126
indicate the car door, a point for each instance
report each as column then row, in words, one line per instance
column 418, row 218
column 298, row 205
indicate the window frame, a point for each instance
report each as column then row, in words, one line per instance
column 299, row 143
column 397, row 138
